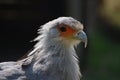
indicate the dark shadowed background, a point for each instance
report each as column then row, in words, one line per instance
column 20, row 19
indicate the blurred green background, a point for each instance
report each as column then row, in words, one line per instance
column 20, row 19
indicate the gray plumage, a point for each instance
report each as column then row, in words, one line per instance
column 53, row 57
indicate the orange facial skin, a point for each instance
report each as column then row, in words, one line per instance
column 69, row 32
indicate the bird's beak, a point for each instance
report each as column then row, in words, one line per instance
column 83, row 37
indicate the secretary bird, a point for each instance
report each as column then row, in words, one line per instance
column 53, row 56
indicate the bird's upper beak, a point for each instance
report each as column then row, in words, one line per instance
column 83, row 37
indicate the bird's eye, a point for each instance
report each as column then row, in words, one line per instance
column 63, row 29
column 66, row 30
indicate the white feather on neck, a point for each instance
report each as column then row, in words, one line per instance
column 60, row 58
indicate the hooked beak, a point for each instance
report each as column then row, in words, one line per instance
column 83, row 37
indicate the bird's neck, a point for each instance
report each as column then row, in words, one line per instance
column 59, row 59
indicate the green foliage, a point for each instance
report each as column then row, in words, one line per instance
column 104, row 59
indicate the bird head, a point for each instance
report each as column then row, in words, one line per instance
column 64, row 30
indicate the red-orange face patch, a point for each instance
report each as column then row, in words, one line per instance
column 66, row 31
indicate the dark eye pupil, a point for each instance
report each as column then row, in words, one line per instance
column 63, row 29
